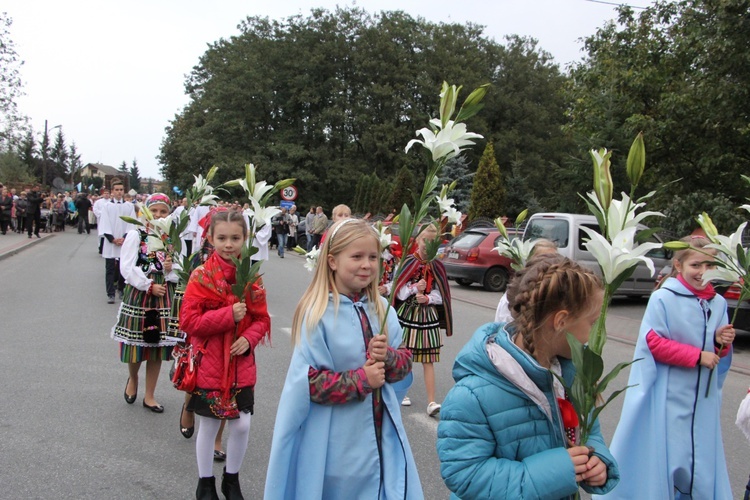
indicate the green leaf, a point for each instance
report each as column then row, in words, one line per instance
column 622, row 277
column 593, row 366
column 741, row 256
column 611, row 398
column 576, row 352
column 467, row 112
column 595, row 210
column 644, row 235
column 612, row 374
column 131, row 220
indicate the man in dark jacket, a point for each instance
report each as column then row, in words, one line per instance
column 83, row 205
column 34, row 211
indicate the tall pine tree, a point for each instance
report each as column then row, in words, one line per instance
column 488, row 192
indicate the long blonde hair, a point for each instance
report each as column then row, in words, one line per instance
column 314, row 301
column 697, row 244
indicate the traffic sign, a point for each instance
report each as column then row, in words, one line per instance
column 289, row 193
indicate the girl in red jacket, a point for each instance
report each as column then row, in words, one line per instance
column 227, row 331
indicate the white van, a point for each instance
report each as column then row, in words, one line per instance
column 565, row 230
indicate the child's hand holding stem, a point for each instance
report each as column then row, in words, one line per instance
column 378, row 347
column 375, row 371
column 239, row 310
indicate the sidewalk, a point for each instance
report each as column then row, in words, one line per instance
column 12, row 243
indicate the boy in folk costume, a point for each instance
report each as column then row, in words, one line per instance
column 114, row 229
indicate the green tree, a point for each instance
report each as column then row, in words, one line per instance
column 679, row 72
column 401, row 190
column 488, row 192
column 58, row 157
column 74, row 158
column 457, row 169
column 135, row 176
column 13, row 170
column 11, row 87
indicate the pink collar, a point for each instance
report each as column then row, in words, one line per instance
column 707, row 293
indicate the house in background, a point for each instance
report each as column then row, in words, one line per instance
column 104, row 172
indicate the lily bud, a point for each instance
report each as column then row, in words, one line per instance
column 448, row 97
column 250, row 174
column 211, row 173
column 708, row 226
column 473, row 104
column 636, row 160
column 522, row 217
column 501, row 227
column 603, row 187
column 676, row 245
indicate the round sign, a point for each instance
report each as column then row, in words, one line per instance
column 289, row 193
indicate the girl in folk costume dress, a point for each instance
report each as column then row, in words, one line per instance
column 339, row 433
column 668, row 439
column 227, row 331
column 423, row 292
column 142, row 320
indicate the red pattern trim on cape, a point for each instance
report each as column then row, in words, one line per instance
column 435, row 275
column 209, row 282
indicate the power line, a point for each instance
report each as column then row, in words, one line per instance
column 617, row 4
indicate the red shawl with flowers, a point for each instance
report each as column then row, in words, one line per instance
column 434, row 274
column 208, row 282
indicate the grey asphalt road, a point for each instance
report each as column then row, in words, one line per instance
column 67, row 433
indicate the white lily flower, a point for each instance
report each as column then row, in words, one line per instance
column 202, row 185
column 728, row 244
column 517, row 251
column 453, row 215
column 260, row 215
column 383, row 237
column 621, row 214
column 312, row 258
column 746, row 207
column 209, row 199
column 620, row 255
column 447, row 142
column 163, row 225
column 444, row 203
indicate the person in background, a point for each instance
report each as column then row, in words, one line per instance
column 6, row 209
column 319, row 226
column 114, row 229
column 424, row 307
column 22, row 205
column 309, row 219
column 280, row 223
column 83, row 205
column 294, row 218
column 34, row 211
column 668, row 438
column 97, row 209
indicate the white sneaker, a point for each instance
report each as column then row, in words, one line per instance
column 433, row 409
column 406, row 401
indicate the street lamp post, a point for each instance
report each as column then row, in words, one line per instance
column 45, row 145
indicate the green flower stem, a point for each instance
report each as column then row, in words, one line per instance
column 598, row 336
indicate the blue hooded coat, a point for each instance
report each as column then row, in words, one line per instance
column 501, row 435
column 668, row 440
column 331, row 451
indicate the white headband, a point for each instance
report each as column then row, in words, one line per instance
column 336, row 229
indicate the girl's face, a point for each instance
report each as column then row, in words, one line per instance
column 159, row 211
column 227, row 239
column 425, row 236
column 341, row 215
column 579, row 326
column 692, row 267
column 356, row 266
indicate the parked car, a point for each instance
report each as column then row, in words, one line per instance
column 565, row 230
column 470, row 258
column 730, row 292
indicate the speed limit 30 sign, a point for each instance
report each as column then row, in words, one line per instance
column 289, row 193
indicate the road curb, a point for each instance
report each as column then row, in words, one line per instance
column 18, row 247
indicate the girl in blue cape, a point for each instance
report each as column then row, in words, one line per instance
column 506, row 426
column 338, row 432
column 668, row 440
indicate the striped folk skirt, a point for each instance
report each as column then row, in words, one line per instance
column 131, row 322
column 173, row 325
column 421, row 330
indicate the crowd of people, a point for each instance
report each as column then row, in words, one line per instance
column 357, row 331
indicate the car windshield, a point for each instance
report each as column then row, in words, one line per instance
column 467, row 240
column 555, row 230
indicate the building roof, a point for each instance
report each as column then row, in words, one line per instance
column 106, row 169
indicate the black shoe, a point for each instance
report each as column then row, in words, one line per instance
column 129, row 399
column 206, row 489
column 230, row 486
column 110, row 300
column 219, row 456
column 37, row 235
column 187, row 432
column 29, row 236
column 154, row 408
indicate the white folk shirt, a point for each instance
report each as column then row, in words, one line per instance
column 97, row 209
column 111, row 223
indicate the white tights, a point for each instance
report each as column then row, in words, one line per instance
column 239, row 432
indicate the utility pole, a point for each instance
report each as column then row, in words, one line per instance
column 45, row 146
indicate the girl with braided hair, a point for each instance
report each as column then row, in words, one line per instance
column 504, row 429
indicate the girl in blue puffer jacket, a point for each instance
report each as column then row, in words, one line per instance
column 503, row 431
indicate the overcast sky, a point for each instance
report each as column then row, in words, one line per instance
column 112, row 73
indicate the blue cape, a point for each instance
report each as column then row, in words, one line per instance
column 668, row 440
column 330, row 451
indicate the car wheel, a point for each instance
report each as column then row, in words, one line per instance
column 496, row 279
column 464, row 282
